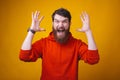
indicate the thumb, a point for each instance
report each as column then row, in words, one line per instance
column 79, row 30
column 42, row 29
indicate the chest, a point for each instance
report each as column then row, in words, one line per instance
column 59, row 54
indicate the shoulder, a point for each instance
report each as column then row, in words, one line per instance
column 42, row 40
column 77, row 42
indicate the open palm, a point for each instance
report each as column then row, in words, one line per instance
column 36, row 21
column 85, row 22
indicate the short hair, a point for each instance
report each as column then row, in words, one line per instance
column 62, row 12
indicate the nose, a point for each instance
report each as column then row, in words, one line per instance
column 60, row 24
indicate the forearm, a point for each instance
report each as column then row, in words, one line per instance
column 28, row 41
column 91, row 42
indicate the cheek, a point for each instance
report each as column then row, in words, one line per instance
column 54, row 26
column 66, row 26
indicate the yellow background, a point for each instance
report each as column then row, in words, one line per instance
column 15, row 18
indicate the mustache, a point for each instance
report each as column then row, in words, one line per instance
column 60, row 29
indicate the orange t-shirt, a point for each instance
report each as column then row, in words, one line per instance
column 60, row 61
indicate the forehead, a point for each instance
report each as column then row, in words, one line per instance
column 59, row 17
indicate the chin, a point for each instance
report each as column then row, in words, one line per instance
column 61, row 38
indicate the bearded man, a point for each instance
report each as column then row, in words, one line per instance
column 60, row 51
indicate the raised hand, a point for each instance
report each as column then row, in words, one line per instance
column 85, row 22
column 36, row 21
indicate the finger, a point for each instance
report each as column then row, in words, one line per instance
column 79, row 30
column 42, row 29
column 38, row 13
column 32, row 15
column 35, row 15
column 86, row 15
column 41, row 18
column 81, row 17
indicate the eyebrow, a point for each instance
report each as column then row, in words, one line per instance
column 59, row 20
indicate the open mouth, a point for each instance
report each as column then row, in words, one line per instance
column 61, row 30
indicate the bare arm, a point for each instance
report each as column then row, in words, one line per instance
column 86, row 28
column 35, row 27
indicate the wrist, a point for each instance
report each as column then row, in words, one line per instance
column 88, row 31
column 31, row 30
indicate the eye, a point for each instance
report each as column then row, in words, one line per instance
column 65, row 21
column 56, row 21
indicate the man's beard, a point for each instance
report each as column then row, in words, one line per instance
column 63, row 38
